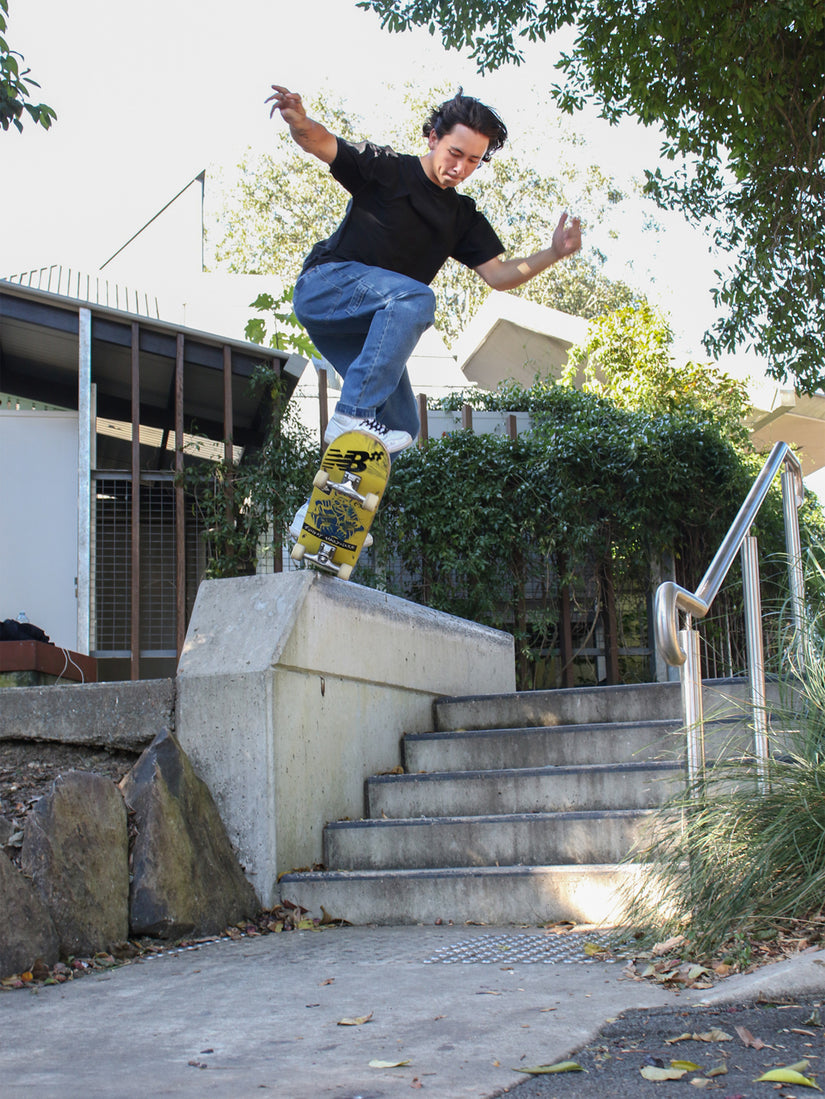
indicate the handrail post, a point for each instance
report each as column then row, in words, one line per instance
column 793, row 549
column 682, row 647
column 756, row 655
column 690, row 675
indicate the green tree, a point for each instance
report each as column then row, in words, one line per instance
column 738, row 90
column 15, row 85
column 628, row 358
column 282, row 203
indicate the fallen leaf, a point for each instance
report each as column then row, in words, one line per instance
column 686, row 1037
column 748, row 1039
column 388, row 1064
column 652, row 1072
column 799, row 1066
column 357, row 1020
column 694, row 972
column 718, row 1070
column 714, row 1035
column 787, row 1076
column 688, row 1066
column 701, row 1082
column 667, row 946
column 560, row 1066
column 591, row 949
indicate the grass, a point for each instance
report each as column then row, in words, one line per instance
column 734, row 862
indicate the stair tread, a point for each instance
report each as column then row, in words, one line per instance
column 564, row 869
column 538, row 730
column 491, row 818
column 554, row 769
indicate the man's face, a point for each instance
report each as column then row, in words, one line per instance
column 455, row 156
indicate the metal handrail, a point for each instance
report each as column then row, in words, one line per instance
column 680, row 647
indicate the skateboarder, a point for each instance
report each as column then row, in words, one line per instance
column 363, row 294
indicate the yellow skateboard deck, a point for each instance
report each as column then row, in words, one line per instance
column 347, row 490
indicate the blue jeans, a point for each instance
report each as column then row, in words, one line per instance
column 366, row 321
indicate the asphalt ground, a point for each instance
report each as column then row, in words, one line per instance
column 761, row 1037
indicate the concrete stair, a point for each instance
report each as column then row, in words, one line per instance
column 516, row 808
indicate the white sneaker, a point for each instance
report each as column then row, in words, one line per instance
column 392, row 440
column 298, row 522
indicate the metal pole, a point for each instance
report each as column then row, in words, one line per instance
column 85, row 451
column 756, row 655
column 691, row 680
column 793, row 548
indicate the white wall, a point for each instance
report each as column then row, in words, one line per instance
column 38, row 520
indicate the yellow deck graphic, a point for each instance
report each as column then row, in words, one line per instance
column 348, row 488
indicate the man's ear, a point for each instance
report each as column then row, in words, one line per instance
column 432, row 139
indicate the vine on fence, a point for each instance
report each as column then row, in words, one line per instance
column 497, row 529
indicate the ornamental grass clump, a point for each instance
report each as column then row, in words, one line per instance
column 737, row 858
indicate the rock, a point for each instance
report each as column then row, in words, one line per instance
column 7, row 830
column 26, row 928
column 75, row 849
column 186, row 879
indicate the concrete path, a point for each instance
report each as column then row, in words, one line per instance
column 464, row 1005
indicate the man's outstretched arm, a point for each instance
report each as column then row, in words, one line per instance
column 306, row 132
column 506, row 274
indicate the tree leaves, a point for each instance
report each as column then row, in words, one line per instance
column 14, row 88
column 743, row 116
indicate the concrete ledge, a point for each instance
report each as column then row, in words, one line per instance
column 294, row 688
column 109, row 715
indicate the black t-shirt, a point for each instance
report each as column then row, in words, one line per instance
column 399, row 219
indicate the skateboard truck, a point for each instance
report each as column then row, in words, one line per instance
column 322, row 560
column 347, row 487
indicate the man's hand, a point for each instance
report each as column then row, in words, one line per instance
column 507, row 274
column 310, row 135
column 288, row 103
column 567, row 239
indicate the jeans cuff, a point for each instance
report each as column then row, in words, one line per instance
column 354, row 410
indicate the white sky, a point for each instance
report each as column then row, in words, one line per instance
column 149, row 94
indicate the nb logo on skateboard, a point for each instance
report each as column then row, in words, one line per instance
column 352, row 461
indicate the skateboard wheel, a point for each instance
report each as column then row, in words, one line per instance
column 344, row 572
column 321, row 478
column 297, row 552
column 371, row 501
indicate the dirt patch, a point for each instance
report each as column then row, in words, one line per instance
column 28, row 769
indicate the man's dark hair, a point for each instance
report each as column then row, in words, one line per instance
column 463, row 110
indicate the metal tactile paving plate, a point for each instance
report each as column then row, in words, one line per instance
column 548, row 949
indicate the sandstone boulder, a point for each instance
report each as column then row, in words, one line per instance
column 26, row 929
column 186, row 879
column 75, row 850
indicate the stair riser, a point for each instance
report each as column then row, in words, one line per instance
column 591, row 894
column 519, row 792
column 546, row 747
column 543, row 841
column 589, row 705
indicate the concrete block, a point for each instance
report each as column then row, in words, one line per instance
column 108, row 715
column 293, row 688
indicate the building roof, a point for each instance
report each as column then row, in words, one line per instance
column 39, row 361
